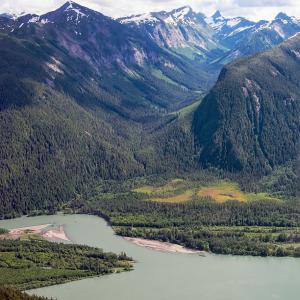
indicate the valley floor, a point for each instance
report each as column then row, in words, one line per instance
column 203, row 212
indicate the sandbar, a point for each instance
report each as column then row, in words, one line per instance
column 162, row 246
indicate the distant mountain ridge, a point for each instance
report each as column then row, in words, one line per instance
column 214, row 38
column 178, row 29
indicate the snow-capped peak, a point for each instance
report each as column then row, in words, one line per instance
column 13, row 16
column 217, row 16
column 181, row 12
column 71, row 10
column 233, row 22
column 282, row 16
column 179, row 15
column 70, row 5
column 146, row 18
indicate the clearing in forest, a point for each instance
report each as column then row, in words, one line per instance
column 223, row 191
column 180, row 191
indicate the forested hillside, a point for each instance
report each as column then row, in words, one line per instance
column 85, row 98
column 250, row 119
column 72, row 111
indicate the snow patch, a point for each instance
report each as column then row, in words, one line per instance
column 34, row 20
column 79, row 13
column 297, row 53
column 55, row 65
column 140, row 19
column 139, row 56
column 240, row 29
column 45, row 21
column 181, row 14
column 279, row 30
column 233, row 22
column 245, row 91
column 275, row 73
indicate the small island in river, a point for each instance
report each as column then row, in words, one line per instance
column 47, row 231
column 43, row 255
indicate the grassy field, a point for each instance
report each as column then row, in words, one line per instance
column 188, row 109
column 171, row 186
column 180, row 191
column 182, row 197
column 223, row 191
column 226, row 191
column 203, row 211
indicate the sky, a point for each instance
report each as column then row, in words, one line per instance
column 252, row 9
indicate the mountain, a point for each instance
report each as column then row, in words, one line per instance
column 250, row 120
column 181, row 30
column 77, row 89
column 263, row 36
column 229, row 31
column 140, row 64
column 84, row 97
column 213, row 41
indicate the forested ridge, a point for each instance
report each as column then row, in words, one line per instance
column 250, row 120
column 57, row 142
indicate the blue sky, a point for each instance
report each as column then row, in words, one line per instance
column 253, row 9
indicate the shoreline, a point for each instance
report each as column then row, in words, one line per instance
column 162, row 246
column 57, row 234
column 47, row 231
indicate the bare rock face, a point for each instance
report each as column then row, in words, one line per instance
column 178, row 29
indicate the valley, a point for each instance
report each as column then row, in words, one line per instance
column 171, row 135
column 129, row 107
column 202, row 211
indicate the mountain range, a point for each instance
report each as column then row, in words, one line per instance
column 215, row 38
column 85, row 97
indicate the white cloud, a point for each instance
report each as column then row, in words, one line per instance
column 254, row 9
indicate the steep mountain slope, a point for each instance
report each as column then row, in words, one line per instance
column 262, row 36
column 229, row 31
column 53, row 144
column 213, row 41
column 113, row 50
column 76, row 90
column 181, row 30
column 250, row 119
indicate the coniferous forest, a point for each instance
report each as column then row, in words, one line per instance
column 184, row 131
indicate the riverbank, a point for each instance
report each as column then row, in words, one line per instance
column 162, row 246
column 44, row 231
column 58, row 234
column 212, row 278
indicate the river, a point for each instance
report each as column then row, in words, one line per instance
column 169, row 276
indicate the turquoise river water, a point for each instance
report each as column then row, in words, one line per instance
column 168, row 276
